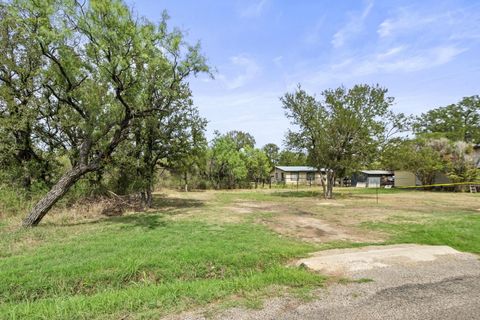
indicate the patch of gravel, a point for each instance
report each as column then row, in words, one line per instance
column 447, row 287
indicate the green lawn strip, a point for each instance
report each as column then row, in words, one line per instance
column 460, row 231
column 147, row 253
column 177, row 295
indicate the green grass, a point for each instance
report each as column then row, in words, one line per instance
column 460, row 231
column 139, row 263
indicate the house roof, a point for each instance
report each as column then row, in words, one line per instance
column 297, row 168
column 377, row 172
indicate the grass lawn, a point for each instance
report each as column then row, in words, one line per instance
column 203, row 247
column 135, row 264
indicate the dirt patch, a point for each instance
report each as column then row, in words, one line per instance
column 251, row 207
column 316, row 230
column 237, row 209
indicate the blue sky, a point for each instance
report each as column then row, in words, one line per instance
column 427, row 53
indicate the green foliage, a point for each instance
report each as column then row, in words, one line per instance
column 258, row 165
column 457, row 122
column 291, row 158
column 272, row 152
column 241, row 139
column 428, row 157
column 226, row 163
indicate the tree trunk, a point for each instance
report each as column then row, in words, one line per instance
column 324, row 187
column 330, row 184
column 149, row 197
column 186, row 181
column 56, row 192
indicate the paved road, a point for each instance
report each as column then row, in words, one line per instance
column 447, row 287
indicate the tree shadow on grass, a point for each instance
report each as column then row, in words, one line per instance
column 297, row 194
column 141, row 220
column 161, row 206
column 173, row 206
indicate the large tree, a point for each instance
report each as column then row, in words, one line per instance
column 227, row 165
column 96, row 62
column 343, row 131
column 258, row 165
column 242, row 139
column 292, row 158
column 273, row 153
column 457, row 122
column 424, row 157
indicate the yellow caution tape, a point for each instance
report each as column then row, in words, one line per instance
column 441, row 185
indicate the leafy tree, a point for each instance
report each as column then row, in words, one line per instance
column 273, row 153
column 189, row 155
column 420, row 156
column 461, row 166
column 291, row 158
column 227, row 165
column 457, row 122
column 258, row 165
column 97, row 59
column 344, row 131
column 242, row 139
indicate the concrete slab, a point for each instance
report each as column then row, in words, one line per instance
column 350, row 261
column 410, row 282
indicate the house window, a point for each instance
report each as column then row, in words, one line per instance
column 310, row 176
column 294, row 176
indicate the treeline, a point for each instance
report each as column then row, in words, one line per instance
column 231, row 160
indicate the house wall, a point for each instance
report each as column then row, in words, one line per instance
column 291, row 177
column 441, row 178
column 476, row 156
column 405, row 179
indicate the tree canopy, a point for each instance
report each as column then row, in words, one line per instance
column 457, row 122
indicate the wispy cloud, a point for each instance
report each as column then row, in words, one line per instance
column 246, row 69
column 391, row 52
column 416, row 61
column 353, row 26
column 313, row 34
column 396, row 60
column 253, row 9
column 452, row 23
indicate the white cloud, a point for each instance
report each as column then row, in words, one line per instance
column 453, row 23
column 406, row 20
column 353, row 27
column 246, row 69
column 390, row 52
column 419, row 61
column 254, row 10
column 278, row 61
column 397, row 60
column 313, row 34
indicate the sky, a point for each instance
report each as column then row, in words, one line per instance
column 427, row 53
